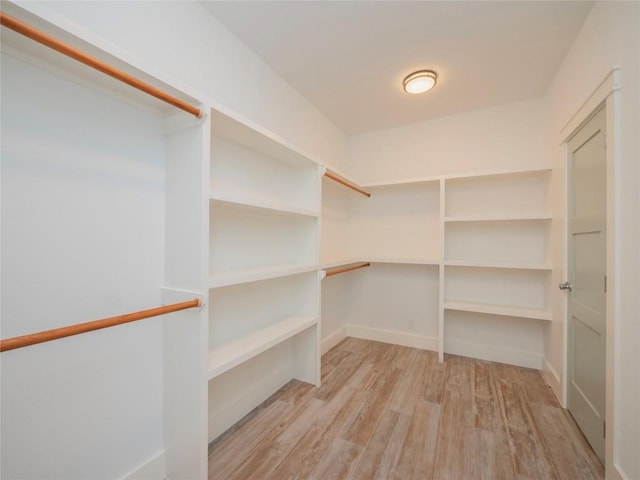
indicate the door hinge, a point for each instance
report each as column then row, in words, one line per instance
column 605, row 140
column 605, row 284
column 604, row 429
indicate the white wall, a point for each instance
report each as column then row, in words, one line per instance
column 505, row 137
column 183, row 40
column 82, row 238
column 609, row 37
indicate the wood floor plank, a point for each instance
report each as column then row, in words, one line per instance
column 411, row 384
column 396, row 413
column 560, row 438
column 455, row 424
column 332, row 360
column 536, row 389
column 331, row 419
column 338, row 462
column 529, row 454
column 231, row 449
column 486, row 411
column 436, row 381
column 375, row 449
column 416, row 459
column 336, row 380
column 393, row 449
column 363, row 426
column 278, row 443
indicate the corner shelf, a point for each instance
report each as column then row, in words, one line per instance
column 234, row 353
column 503, row 310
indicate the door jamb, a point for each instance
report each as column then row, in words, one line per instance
column 608, row 94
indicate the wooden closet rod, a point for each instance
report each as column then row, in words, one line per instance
column 61, row 47
column 48, row 335
column 348, row 268
column 337, row 178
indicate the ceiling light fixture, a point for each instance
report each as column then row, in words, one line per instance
column 420, row 81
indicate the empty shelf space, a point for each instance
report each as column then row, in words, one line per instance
column 498, row 218
column 257, row 205
column 506, row 310
column 514, row 265
column 233, row 354
column 235, row 277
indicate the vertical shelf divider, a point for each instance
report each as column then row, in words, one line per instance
column 441, row 272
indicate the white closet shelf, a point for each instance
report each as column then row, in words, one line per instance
column 505, row 310
column 235, row 277
column 455, row 176
column 254, row 137
column 405, row 261
column 499, row 218
column 513, row 265
column 249, row 204
column 234, row 353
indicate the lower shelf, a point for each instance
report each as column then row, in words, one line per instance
column 499, row 310
column 233, row 354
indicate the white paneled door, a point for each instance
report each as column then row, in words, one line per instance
column 587, row 283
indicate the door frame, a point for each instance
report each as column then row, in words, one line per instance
column 606, row 96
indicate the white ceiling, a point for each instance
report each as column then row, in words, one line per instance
column 348, row 58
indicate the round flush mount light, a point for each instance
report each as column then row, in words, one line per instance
column 420, row 81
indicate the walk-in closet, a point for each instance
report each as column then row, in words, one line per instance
column 216, row 263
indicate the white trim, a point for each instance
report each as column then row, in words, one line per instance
column 608, row 85
column 520, row 358
column 152, row 469
column 607, row 93
column 394, row 337
column 552, row 379
column 333, row 339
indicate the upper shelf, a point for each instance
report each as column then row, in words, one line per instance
column 455, row 176
column 256, row 139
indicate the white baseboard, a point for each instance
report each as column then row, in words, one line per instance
column 552, row 379
column 152, row 469
column 333, row 339
column 393, row 336
column 495, row 354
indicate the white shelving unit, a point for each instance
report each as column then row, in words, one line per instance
column 263, row 282
column 496, row 260
column 481, row 240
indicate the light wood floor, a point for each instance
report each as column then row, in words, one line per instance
column 391, row 412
